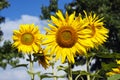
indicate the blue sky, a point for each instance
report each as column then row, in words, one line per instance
column 28, row 7
column 24, row 12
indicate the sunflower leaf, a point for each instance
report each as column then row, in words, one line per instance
column 108, row 55
column 49, row 76
column 114, row 77
column 20, row 65
column 109, row 66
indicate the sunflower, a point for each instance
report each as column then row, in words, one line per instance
column 27, row 39
column 66, row 36
column 114, row 70
column 43, row 58
column 99, row 32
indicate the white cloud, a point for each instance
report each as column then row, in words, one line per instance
column 14, row 74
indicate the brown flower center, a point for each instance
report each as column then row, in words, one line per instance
column 27, row 39
column 66, row 37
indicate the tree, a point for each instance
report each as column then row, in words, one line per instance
column 8, row 55
column 3, row 4
column 48, row 10
column 1, row 34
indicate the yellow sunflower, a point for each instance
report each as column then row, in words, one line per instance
column 99, row 32
column 67, row 36
column 43, row 58
column 114, row 70
column 27, row 39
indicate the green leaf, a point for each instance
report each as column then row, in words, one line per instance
column 114, row 77
column 50, row 76
column 3, row 65
column 108, row 55
column 108, row 66
column 87, row 73
column 96, row 75
column 62, row 67
column 20, row 65
column 81, row 72
column 33, row 73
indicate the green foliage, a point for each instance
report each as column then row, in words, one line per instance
column 114, row 77
column 48, row 10
column 1, row 35
column 21, row 65
column 107, row 67
column 9, row 55
column 3, row 4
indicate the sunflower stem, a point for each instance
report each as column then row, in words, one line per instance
column 69, row 71
column 40, row 78
column 79, row 76
column 31, row 67
column 53, row 70
column 87, row 67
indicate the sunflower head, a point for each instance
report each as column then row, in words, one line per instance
column 43, row 58
column 99, row 33
column 66, row 36
column 27, row 39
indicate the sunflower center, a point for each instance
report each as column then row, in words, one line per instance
column 66, row 37
column 27, row 39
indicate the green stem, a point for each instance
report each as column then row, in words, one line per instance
column 79, row 76
column 54, row 73
column 87, row 66
column 40, row 78
column 31, row 67
column 53, row 68
column 69, row 71
column 95, row 76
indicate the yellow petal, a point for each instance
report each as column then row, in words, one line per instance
column 118, row 61
column 63, row 55
column 79, row 47
column 52, row 27
column 116, row 70
column 110, row 73
column 58, row 54
column 15, row 38
column 60, row 15
column 16, row 32
column 71, row 18
column 56, row 21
